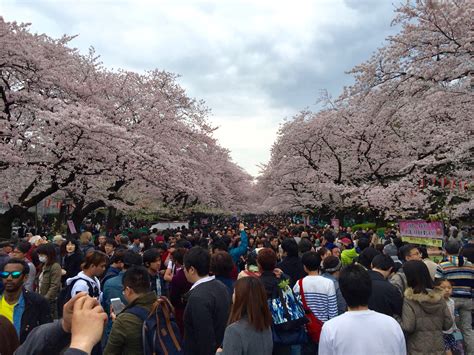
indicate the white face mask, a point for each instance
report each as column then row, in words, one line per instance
column 43, row 259
column 142, row 245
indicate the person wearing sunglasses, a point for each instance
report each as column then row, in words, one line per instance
column 24, row 309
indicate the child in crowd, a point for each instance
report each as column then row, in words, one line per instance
column 452, row 346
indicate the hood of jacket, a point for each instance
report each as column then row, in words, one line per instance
column 145, row 300
column 430, row 302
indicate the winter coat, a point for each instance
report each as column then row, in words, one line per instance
column 72, row 265
column 424, row 317
column 293, row 267
column 385, row 297
column 50, row 282
column 399, row 280
column 126, row 334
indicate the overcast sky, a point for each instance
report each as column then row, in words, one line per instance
column 255, row 63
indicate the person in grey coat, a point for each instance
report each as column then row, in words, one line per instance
column 425, row 314
column 249, row 331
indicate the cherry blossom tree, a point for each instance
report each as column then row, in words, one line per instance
column 405, row 120
column 73, row 128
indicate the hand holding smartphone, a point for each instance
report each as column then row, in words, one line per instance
column 117, row 305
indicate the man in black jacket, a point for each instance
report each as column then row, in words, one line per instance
column 385, row 297
column 26, row 310
column 207, row 308
column 291, row 264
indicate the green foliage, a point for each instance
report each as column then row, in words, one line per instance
column 366, row 226
column 284, row 284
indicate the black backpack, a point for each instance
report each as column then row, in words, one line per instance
column 65, row 293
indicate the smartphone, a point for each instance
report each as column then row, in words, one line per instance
column 117, row 305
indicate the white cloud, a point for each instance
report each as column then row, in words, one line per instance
column 253, row 62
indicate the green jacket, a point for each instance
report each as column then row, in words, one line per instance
column 126, row 335
column 348, row 256
column 50, row 282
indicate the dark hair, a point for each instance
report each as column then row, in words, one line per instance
column 132, row 259
column 251, row 259
column 329, row 236
column 355, row 285
column 26, row 268
column 331, row 263
column 93, row 258
column 111, row 241
column 182, row 243
column 304, row 245
column 118, row 256
column 9, row 341
column 438, row 281
column 383, row 262
column 290, row 246
column 398, row 242
column 72, row 241
column 452, row 247
column 406, row 251
column 178, row 255
column 423, row 251
column 221, row 264
column 162, row 246
column 199, row 259
column 468, row 252
column 23, row 246
column 251, row 302
column 311, row 260
column 137, row 279
column 150, row 256
column 363, row 243
column 50, row 251
column 219, row 244
column 267, row 259
column 366, row 257
column 418, row 276
column 322, row 251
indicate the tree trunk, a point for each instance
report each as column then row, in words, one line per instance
column 7, row 218
column 112, row 218
column 61, row 218
column 81, row 211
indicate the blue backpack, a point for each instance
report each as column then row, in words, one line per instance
column 160, row 333
column 288, row 316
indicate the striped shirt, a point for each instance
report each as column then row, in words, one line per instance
column 320, row 296
column 461, row 277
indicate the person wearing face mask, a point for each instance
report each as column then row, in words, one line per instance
column 50, row 277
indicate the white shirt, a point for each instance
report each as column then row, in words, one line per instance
column 362, row 333
column 200, row 281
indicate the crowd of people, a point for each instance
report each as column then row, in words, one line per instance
column 268, row 287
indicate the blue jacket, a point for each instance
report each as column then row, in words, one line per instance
column 240, row 250
column 113, row 289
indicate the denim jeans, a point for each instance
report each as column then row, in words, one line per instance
column 463, row 307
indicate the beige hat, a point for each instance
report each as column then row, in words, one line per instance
column 58, row 237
